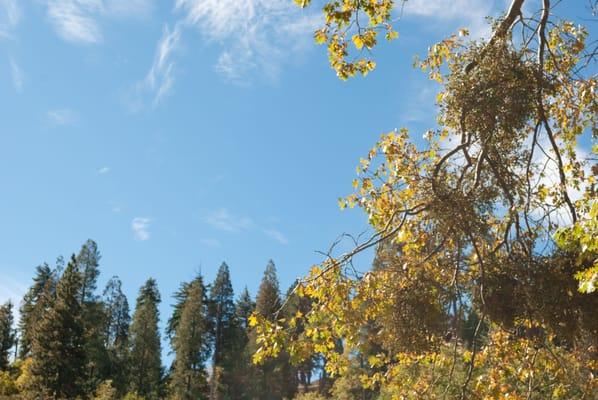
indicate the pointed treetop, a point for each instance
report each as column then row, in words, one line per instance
column 268, row 297
column 149, row 292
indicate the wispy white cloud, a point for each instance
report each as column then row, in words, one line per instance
column 228, row 67
column 74, row 20
column 159, row 79
column 257, row 35
column 276, row 235
column 10, row 15
column 104, row 170
column 18, row 77
column 63, row 116
column 223, row 220
column 209, row 242
column 140, row 226
column 470, row 13
column 78, row 21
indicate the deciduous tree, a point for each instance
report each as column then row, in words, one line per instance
column 472, row 215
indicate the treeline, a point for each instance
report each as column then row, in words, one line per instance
column 74, row 341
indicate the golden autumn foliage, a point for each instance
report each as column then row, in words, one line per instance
column 495, row 217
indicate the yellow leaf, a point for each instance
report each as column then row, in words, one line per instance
column 320, row 36
column 392, row 35
column 358, row 41
column 252, row 320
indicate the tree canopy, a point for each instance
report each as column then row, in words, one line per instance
column 492, row 219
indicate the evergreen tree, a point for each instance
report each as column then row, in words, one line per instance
column 243, row 373
column 270, row 375
column 88, row 263
column 267, row 302
column 180, row 297
column 222, row 315
column 117, row 310
column 191, row 343
column 31, row 307
column 58, row 341
column 7, row 334
column 245, row 307
column 145, row 360
column 117, row 333
column 93, row 315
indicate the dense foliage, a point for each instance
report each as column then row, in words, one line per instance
column 487, row 247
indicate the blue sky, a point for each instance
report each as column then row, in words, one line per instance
column 182, row 133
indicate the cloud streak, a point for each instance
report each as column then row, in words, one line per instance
column 159, row 79
column 223, row 220
column 74, row 21
column 78, row 21
column 18, row 77
column 10, row 15
column 276, row 235
column 257, row 35
column 63, row 116
column 472, row 13
column 140, row 227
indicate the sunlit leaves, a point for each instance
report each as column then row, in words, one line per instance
column 464, row 222
column 582, row 239
column 355, row 23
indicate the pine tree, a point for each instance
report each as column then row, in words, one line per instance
column 180, row 297
column 117, row 310
column 58, row 341
column 222, row 315
column 117, row 333
column 191, row 344
column 270, row 375
column 31, row 307
column 243, row 382
column 245, row 307
column 145, row 360
column 88, row 263
column 267, row 302
column 93, row 315
column 7, row 334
